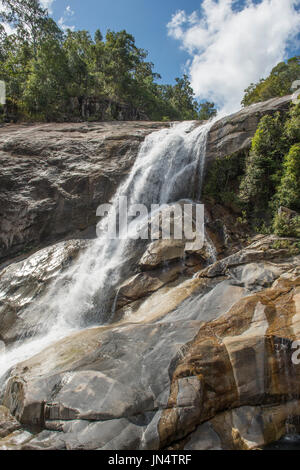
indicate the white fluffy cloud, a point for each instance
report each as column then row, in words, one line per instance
column 47, row 4
column 232, row 45
column 62, row 22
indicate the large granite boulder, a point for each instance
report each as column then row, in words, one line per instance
column 234, row 133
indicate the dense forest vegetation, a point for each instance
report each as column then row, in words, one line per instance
column 46, row 71
column 50, row 74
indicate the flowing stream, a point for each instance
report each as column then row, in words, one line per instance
column 169, row 167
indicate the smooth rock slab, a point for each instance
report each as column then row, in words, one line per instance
column 234, row 133
column 25, row 282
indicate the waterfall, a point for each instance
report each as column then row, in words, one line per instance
column 169, row 165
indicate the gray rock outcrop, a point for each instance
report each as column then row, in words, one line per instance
column 234, row 133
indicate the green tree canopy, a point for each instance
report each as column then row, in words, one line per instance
column 288, row 192
column 45, row 69
column 278, row 83
column 207, row 110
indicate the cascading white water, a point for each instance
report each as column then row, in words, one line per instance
column 169, row 164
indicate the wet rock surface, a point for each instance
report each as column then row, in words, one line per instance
column 25, row 282
column 8, row 424
column 244, row 428
column 170, row 369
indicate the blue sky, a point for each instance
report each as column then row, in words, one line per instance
column 223, row 45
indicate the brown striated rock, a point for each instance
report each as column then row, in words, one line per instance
column 244, row 428
column 242, row 358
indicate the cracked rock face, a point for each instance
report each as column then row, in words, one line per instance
column 244, row 428
column 167, row 372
